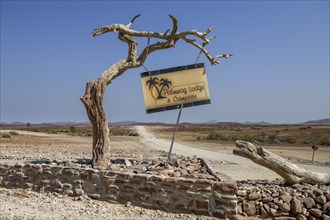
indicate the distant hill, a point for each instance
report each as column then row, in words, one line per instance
column 210, row 122
column 258, row 123
column 325, row 121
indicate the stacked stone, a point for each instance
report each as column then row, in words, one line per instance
column 275, row 200
column 180, row 166
column 172, row 194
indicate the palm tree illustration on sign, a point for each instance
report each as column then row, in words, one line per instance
column 154, row 85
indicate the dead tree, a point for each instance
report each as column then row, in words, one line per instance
column 95, row 90
column 289, row 171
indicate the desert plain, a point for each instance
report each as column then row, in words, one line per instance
column 215, row 143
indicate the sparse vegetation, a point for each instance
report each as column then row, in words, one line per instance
column 271, row 134
column 13, row 133
column 5, row 135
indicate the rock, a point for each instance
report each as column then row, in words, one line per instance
column 272, row 211
column 254, row 196
column 325, row 217
column 140, row 168
column 309, row 202
column 249, row 208
column 267, row 199
column 128, row 163
column 317, row 192
column 286, row 197
column 239, row 209
column 190, row 169
column 301, row 217
column 95, row 196
column 327, row 195
column 67, row 186
column 296, row 206
column 115, row 167
column 311, row 218
column 321, row 199
column 316, row 213
column 297, row 186
column 284, row 207
column 156, row 162
column 241, row 193
column 326, row 207
column 128, row 204
column 29, row 185
column 284, row 218
column 78, row 192
column 174, row 162
column 177, row 174
column 183, row 172
column 263, row 212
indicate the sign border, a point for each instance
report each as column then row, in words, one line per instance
column 169, row 70
column 173, row 69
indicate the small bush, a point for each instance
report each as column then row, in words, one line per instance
column 118, row 133
column 13, row 133
column 325, row 141
column 272, row 137
column 290, row 140
column 6, row 135
column 216, row 136
column 73, row 129
column 133, row 134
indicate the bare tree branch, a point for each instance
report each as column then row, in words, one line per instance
column 170, row 38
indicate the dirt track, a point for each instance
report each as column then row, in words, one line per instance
column 234, row 166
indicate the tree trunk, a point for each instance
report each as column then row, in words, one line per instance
column 93, row 101
column 289, row 171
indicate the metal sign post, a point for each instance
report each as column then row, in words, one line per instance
column 174, row 133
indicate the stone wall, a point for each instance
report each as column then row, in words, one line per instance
column 199, row 196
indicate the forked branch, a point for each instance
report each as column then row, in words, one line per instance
column 170, row 38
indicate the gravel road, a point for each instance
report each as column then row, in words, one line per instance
column 236, row 167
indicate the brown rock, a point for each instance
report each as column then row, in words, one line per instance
column 286, row 197
column 78, row 192
column 296, row 206
column 301, row 217
column 284, row 207
column 156, row 162
column 326, row 207
column 309, row 202
column 284, row 218
column 321, row 199
column 249, row 208
column 325, row 217
column 183, row 172
column 202, row 204
column 228, row 187
column 190, row 169
column 317, row 192
column 264, row 213
column 95, row 196
column 254, row 196
column 177, row 174
column 316, row 213
column 174, row 162
column 297, row 186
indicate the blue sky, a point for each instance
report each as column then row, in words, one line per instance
column 279, row 74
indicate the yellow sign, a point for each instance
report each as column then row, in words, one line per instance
column 167, row 89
